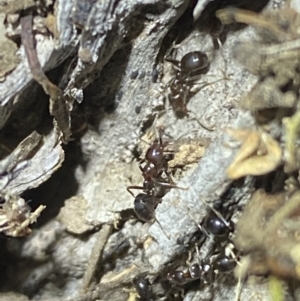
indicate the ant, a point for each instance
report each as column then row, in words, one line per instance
column 157, row 181
column 214, row 224
column 189, row 68
column 156, row 165
column 205, row 270
column 143, row 288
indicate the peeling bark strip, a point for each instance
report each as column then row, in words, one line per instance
column 22, row 151
column 58, row 108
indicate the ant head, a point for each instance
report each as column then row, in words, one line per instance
column 155, row 153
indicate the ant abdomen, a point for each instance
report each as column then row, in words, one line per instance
column 144, row 206
column 193, row 61
column 143, row 287
column 195, row 271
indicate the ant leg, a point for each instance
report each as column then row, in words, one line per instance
column 169, row 57
column 217, row 213
column 205, row 84
column 134, row 187
column 171, row 185
column 197, row 253
column 168, row 177
column 206, row 127
column 176, row 63
column 192, row 79
column 160, row 133
column 140, row 164
column 145, row 143
column 203, row 230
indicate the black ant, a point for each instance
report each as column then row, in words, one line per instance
column 157, row 180
column 206, row 270
column 189, row 68
column 143, row 288
column 216, row 225
column 213, row 225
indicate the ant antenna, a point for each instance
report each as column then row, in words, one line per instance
column 139, row 138
column 162, row 229
column 160, row 133
column 171, row 50
column 192, row 218
column 206, row 127
column 145, row 141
